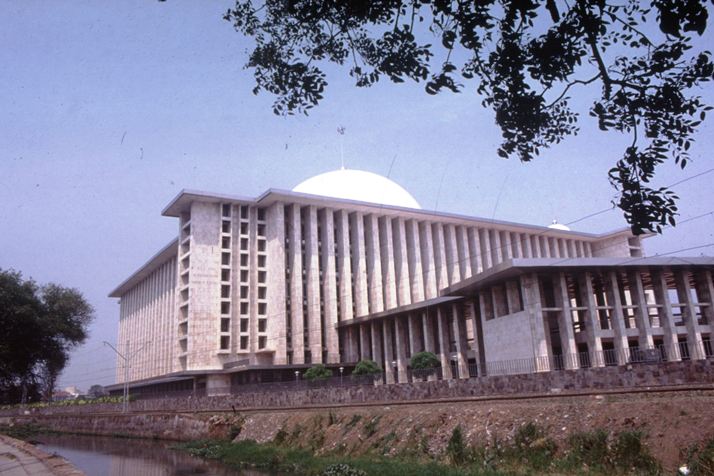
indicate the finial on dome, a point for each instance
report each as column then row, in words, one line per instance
column 558, row 226
column 341, row 132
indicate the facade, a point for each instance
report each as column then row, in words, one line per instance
column 253, row 289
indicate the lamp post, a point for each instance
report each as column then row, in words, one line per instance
column 125, row 406
column 297, row 377
column 342, row 369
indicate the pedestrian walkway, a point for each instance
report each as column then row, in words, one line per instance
column 19, row 458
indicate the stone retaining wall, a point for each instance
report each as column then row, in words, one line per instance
column 697, row 372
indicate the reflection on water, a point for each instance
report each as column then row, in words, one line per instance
column 107, row 456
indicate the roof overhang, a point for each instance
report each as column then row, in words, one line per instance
column 516, row 267
column 421, row 305
column 167, row 252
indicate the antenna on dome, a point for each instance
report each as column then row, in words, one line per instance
column 341, row 132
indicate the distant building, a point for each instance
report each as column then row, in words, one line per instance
column 347, row 266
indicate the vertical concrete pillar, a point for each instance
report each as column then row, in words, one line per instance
column 428, row 333
column 365, row 347
column 388, row 351
column 496, row 247
column 414, row 334
column 642, row 318
column 617, row 317
column 401, row 262
column 572, row 251
column 459, row 330
column 517, row 241
column 580, row 249
column 462, row 245
column 533, row 307
column 694, row 336
column 442, row 278
column 352, row 342
column 359, row 264
column 444, row 343
column 329, row 287
column 344, row 266
column 277, row 325
column 565, row 322
column 374, row 264
column 453, row 271
column 312, row 277
column 592, row 323
column 507, row 243
column 477, row 329
column 386, row 244
column 376, row 339
column 427, row 259
column 588, row 250
column 416, row 274
column 486, row 253
column 545, row 247
column 527, row 248
column 705, row 294
column 401, row 342
column 475, row 251
column 294, row 232
column 671, row 341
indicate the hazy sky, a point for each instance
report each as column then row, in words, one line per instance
column 109, row 109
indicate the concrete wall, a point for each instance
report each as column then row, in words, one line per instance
column 508, row 338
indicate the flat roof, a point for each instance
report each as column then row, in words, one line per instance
column 398, row 310
column 517, row 266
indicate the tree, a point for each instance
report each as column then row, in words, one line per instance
column 96, row 391
column 524, row 59
column 367, row 367
column 318, row 372
column 424, row 360
column 40, row 325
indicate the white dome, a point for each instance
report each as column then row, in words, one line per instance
column 558, row 226
column 358, row 185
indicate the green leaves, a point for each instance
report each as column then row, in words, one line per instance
column 523, row 57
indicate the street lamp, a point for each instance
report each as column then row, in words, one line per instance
column 297, row 376
column 125, row 406
column 342, row 369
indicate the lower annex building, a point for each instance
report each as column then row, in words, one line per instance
column 347, row 266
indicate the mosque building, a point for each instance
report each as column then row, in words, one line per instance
column 348, row 267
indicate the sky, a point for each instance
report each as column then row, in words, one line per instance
column 109, row 109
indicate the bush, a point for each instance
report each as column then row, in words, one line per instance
column 318, row 372
column 589, row 449
column 342, row 469
column 456, row 449
column 424, row 360
column 702, row 460
column 631, row 455
column 366, row 367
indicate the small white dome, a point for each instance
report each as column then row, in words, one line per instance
column 358, row 185
column 558, row 226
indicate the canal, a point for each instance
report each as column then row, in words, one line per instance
column 109, row 456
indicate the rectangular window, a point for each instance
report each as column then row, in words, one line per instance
column 225, row 291
column 225, row 307
column 262, row 308
column 261, row 214
column 262, row 342
column 261, row 261
column 244, row 325
column 225, row 325
column 226, row 210
column 226, row 242
column 244, row 276
column 262, row 325
column 262, row 276
column 244, row 228
column 225, row 342
column 262, row 291
column 226, row 259
column 261, row 230
column 244, row 259
column 244, row 212
column 225, row 275
column 244, row 244
column 244, row 308
column 261, row 245
column 226, row 226
column 244, row 343
column 244, row 292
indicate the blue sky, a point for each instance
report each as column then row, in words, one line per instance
column 109, row 109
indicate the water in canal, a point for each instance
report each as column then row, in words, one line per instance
column 107, row 456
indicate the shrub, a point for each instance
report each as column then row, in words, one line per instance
column 424, row 360
column 533, row 447
column 318, row 372
column 366, row 367
column 342, row 469
column 631, row 455
column 702, row 460
column 589, row 449
column 456, row 450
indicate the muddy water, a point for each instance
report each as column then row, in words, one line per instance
column 107, row 456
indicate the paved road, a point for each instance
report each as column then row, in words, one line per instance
column 18, row 458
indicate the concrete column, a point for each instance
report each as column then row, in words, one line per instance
column 534, row 308
column 312, row 277
column 705, row 295
column 459, row 330
column 485, row 239
column 507, row 244
column 617, row 317
column 374, row 264
column 565, row 322
column 527, row 248
column 401, row 341
column 414, row 334
column 545, row 247
column 464, row 257
column 442, row 277
column 386, row 245
column 444, row 343
column 496, row 247
column 671, row 341
column 329, row 288
column 401, row 262
column 475, row 250
column 359, row 265
column 416, row 276
column 642, row 318
column 453, row 271
column 535, row 246
column 365, row 347
column 592, row 323
column 588, row 250
column 295, row 257
column 580, row 249
column 517, row 241
column 477, row 345
column 427, row 259
column 344, row 266
column 428, row 333
column 277, row 322
column 694, row 336
column 388, row 351
column 573, row 252
column 376, row 339
column 352, row 343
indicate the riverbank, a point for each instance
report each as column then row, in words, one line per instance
column 20, row 458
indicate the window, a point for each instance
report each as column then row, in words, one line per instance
column 226, row 210
column 262, row 325
column 261, row 245
column 262, row 277
column 262, row 342
column 244, row 325
column 225, row 259
column 225, row 291
column 244, row 343
column 225, row 307
column 244, row 292
column 225, row 342
column 244, row 308
column 225, row 325
column 225, row 275
column 261, row 214
column 226, row 226
column 244, row 259
column 244, row 244
column 244, row 228
column 261, row 261
column 262, row 308
column 226, row 242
